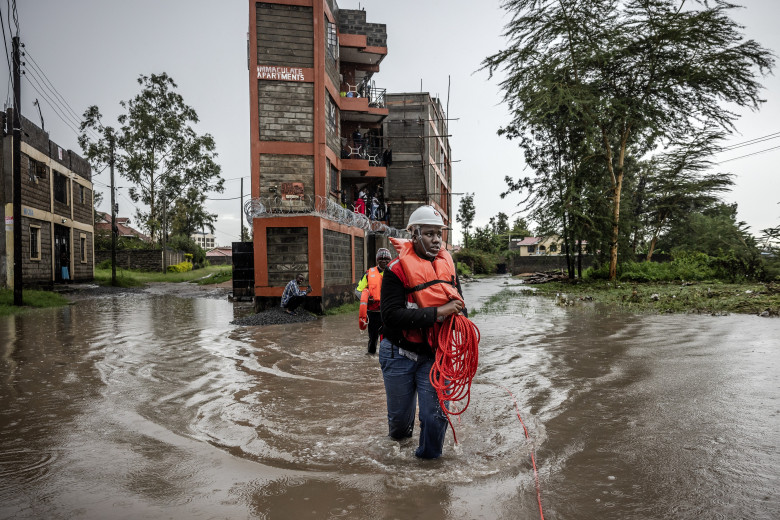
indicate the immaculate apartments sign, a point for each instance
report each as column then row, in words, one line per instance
column 284, row 73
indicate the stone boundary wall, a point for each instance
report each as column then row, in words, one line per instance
column 143, row 259
column 533, row 264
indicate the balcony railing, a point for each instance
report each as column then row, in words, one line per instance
column 367, row 89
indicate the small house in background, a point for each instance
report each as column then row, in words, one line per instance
column 124, row 231
column 552, row 245
column 57, row 210
column 220, row 256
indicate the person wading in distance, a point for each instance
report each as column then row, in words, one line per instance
column 419, row 289
column 369, row 290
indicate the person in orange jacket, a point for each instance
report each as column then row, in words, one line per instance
column 419, row 289
column 372, row 282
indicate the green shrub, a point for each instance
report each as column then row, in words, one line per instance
column 479, row 261
column 105, row 264
column 181, row 267
column 186, row 244
column 463, row 269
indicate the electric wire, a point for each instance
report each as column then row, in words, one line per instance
column 35, row 75
column 39, row 70
column 750, row 154
column 56, row 112
column 753, row 141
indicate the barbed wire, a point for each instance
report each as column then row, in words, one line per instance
column 273, row 206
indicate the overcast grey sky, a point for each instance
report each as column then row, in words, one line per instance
column 92, row 51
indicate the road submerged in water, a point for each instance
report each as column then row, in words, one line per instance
column 150, row 404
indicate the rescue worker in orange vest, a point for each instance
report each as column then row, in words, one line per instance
column 372, row 282
column 419, row 289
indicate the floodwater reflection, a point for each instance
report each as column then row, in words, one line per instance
column 150, row 405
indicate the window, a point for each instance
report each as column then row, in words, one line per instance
column 334, row 177
column 82, row 196
column 35, row 243
column 553, row 248
column 60, row 188
column 331, row 40
column 531, row 250
column 330, row 108
column 83, row 244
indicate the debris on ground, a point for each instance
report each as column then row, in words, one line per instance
column 275, row 316
column 544, row 277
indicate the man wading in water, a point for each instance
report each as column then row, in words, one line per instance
column 419, row 289
column 372, row 282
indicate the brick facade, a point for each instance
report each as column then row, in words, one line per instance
column 286, row 111
column 337, row 254
column 285, row 35
column 288, row 254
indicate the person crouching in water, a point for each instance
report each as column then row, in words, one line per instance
column 372, row 282
column 419, row 289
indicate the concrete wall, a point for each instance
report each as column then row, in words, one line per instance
column 337, row 256
column 285, row 35
column 360, row 259
column 276, row 169
column 288, row 254
column 532, row 264
column 353, row 21
column 143, row 259
column 286, row 111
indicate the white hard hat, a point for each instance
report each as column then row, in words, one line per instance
column 424, row 215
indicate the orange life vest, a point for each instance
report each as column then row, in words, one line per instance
column 374, row 291
column 428, row 283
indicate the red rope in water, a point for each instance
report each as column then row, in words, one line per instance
column 533, row 459
column 455, row 364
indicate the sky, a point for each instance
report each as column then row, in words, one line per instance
column 90, row 52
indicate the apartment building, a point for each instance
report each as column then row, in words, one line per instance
column 316, row 143
column 57, row 210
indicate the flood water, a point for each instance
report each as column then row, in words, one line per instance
column 150, row 405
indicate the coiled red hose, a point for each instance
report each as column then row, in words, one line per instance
column 455, row 365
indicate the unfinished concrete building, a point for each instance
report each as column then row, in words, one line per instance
column 420, row 171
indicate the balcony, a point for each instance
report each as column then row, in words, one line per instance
column 363, row 161
column 363, row 102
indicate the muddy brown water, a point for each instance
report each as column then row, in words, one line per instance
column 150, row 405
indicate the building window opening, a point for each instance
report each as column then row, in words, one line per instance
column 553, row 248
column 83, row 244
column 60, row 188
column 332, row 40
column 531, row 250
column 35, row 243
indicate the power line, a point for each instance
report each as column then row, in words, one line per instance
column 234, row 198
column 57, row 93
column 56, row 112
column 748, row 155
column 40, row 82
column 750, row 142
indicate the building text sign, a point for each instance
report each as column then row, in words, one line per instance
column 281, row 73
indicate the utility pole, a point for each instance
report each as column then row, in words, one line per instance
column 241, row 211
column 17, row 162
column 164, row 244
column 114, row 229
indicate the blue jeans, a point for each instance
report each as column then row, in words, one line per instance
column 407, row 381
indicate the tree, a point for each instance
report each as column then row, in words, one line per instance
column 156, row 149
column 465, row 216
column 678, row 183
column 646, row 73
column 189, row 214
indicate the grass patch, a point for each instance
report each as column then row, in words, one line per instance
column 496, row 303
column 674, row 297
column 31, row 299
column 347, row 308
column 222, row 275
column 134, row 278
